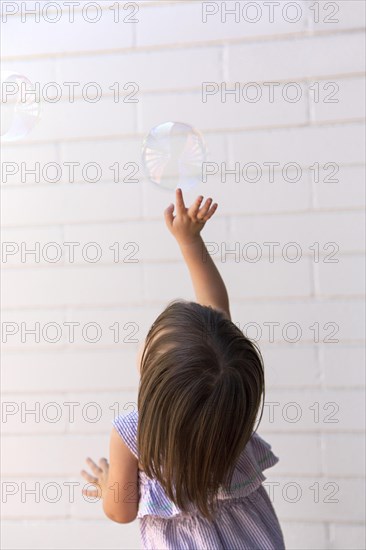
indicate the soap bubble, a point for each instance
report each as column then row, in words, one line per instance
column 19, row 109
column 172, row 156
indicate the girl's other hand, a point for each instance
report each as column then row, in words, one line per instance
column 188, row 223
column 100, row 480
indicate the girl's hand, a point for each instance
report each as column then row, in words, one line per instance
column 100, row 480
column 188, row 222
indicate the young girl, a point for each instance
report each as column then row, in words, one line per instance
column 188, row 463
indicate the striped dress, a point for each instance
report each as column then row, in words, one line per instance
column 246, row 519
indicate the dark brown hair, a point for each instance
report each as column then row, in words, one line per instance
column 201, row 384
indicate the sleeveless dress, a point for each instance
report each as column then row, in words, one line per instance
column 246, row 519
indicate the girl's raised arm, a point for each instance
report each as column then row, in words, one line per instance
column 186, row 227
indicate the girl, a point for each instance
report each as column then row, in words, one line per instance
column 188, row 463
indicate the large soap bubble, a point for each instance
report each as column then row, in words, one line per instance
column 172, row 155
column 19, row 110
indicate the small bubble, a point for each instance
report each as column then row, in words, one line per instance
column 172, row 155
column 19, row 110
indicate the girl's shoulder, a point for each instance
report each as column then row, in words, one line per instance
column 126, row 426
column 255, row 457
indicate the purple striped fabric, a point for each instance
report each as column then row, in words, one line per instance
column 246, row 519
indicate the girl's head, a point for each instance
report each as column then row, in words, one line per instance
column 201, row 385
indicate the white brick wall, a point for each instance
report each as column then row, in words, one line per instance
column 314, row 356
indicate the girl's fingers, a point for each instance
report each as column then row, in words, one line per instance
column 211, row 211
column 181, row 207
column 192, row 211
column 89, row 477
column 94, row 468
column 205, row 208
column 103, row 463
column 168, row 214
